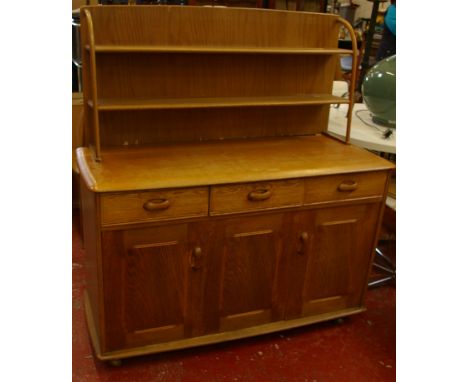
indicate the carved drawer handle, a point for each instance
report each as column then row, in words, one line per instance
column 259, row 194
column 348, row 185
column 196, row 258
column 303, row 240
column 156, row 204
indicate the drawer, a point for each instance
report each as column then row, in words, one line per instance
column 344, row 186
column 154, row 205
column 256, row 196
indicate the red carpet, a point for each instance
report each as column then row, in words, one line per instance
column 361, row 348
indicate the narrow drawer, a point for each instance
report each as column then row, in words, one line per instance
column 154, row 205
column 344, row 186
column 256, row 196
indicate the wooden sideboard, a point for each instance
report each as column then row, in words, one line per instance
column 215, row 206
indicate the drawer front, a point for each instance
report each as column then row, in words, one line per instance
column 256, row 196
column 154, row 205
column 344, row 187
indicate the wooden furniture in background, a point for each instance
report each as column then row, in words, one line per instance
column 234, row 3
column 215, row 206
column 77, row 141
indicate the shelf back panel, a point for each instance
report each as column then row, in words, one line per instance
column 191, row 125
column 183, row 75
column 210, row 26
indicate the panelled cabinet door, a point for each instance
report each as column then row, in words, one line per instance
column 329, row 265
column 250, row 261
column 145, row 281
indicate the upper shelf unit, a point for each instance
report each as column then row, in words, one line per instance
column 165, row 74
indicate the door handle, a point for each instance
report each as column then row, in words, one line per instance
column 156, row 204
column 302, row 244
column 260, row 194
column 196, row 258
column 347, row 185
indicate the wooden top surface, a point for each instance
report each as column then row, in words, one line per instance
column 222, row 162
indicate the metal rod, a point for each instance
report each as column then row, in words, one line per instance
column 381, row 281
column 392, row 271
column 386, row 258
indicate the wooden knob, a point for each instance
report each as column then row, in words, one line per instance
column 303, row 240
column 196, row 258
column 347, row 185
column 260, row 194
column 156, row 204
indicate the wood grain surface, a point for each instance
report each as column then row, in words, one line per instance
column 223, row 162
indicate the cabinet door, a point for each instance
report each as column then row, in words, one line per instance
column 251, row 258
column 145, row 281
column 329, row 264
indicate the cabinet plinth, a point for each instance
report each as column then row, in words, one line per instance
column 215, row 206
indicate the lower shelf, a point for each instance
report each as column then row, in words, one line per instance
column 207, row 339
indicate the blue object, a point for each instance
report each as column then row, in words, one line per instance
column 390, row 18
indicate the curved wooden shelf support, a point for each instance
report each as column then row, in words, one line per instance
column 350, row 29
column 92, row 62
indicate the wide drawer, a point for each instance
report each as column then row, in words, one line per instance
column 344, row 186
column 154, row 205
column 256, row 196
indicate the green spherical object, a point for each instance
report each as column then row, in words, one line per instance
column 379, row 91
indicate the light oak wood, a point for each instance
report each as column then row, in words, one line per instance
column 352, row 84
column 194, row 103
column 213, row 26
column 215, row 207
column 256, row 196
column 344, row 186
column 76, row 4
column 93, row 81
column 251, row 254
column 249, row 64
column 154, row 205
column 221, row 162
column 217, row 337
column 212, row 49
column 77, row 126
column 156, row 127
column 90, row 217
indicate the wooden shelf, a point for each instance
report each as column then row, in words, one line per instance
column 218, row 102
column 214, row 49
column 221, row 162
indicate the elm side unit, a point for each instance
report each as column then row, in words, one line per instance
column 215, row 206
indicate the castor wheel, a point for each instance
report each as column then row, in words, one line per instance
column 115, row 362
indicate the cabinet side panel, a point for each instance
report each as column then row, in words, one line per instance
column 112, row 268
column 89, row 216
